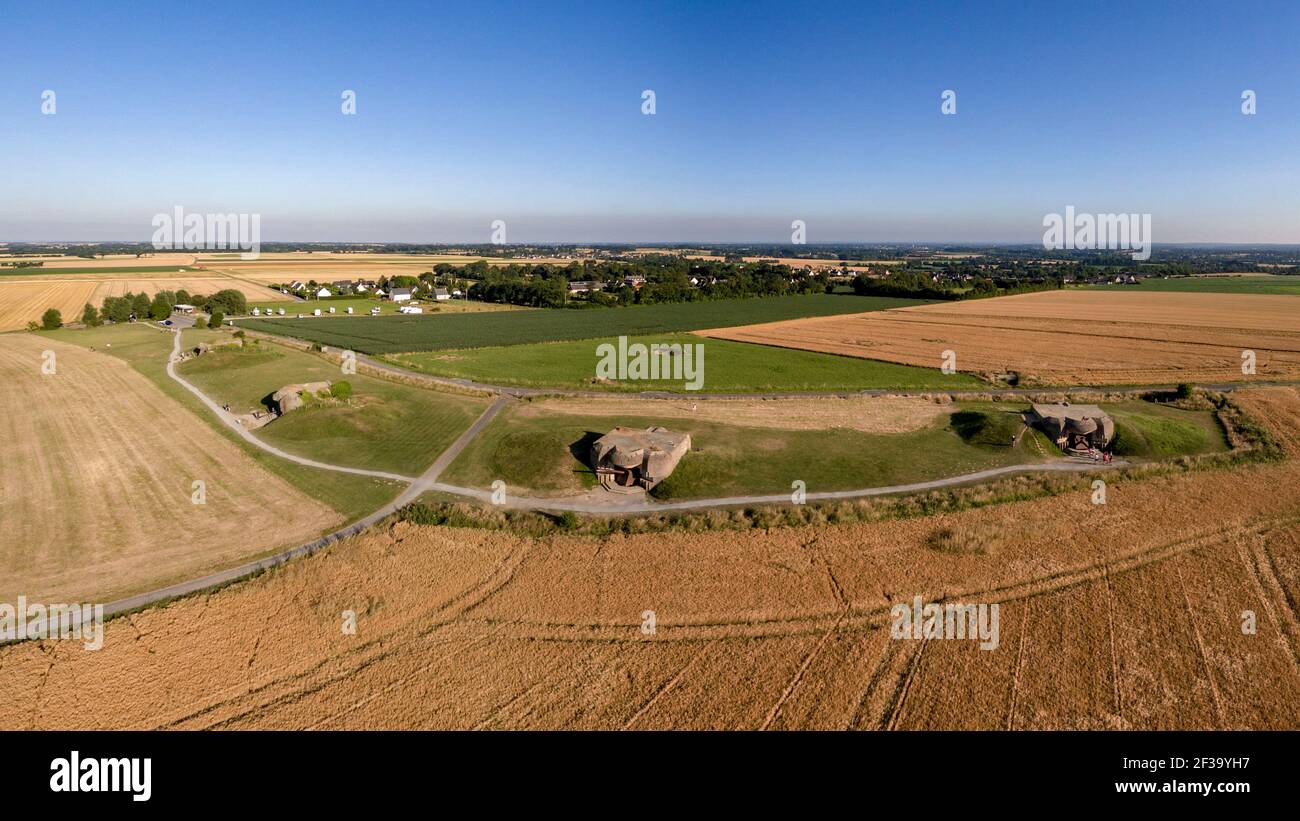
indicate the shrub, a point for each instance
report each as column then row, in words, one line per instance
column 90, row 317
column 52, row 319
column 341, row 390
column 216, row 319
column 229, row 301
column 1185, row 390
column 200, row 323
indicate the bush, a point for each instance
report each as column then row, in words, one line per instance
column 52, row 319
column 229, row 301
column 90, row 317
column 200, row 323
column 341, row 390
column 1185, row 390
column 216, row 319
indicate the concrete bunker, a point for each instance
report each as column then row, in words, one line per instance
column 627, row 459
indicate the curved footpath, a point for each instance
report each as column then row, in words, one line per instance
column 428, row 481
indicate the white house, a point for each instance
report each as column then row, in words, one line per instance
column 323, row 292
column 440, row 294
column 401, row 294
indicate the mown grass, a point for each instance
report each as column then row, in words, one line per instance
column 385, row 425
column 1257, row 284
column 547, row 454
column 1149, row 431
column 376, row 335
column 729, row 367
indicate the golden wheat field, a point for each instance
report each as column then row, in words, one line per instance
column 1066, row 337
column 24, row 298
column 1123, row 615
column 325, row 267
column 96, row 482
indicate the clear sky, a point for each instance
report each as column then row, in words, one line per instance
column 765, row 113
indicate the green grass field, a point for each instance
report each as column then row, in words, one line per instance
column 384, row 426
column 147, row 349
column 1145, row 430
column 547, row 454
column 1248, row 284
column 729, row 367
column 376, row 335
column 361, row 306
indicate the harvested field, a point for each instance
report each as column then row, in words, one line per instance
column 24, row 298
column 1125, row 615
column 867, row 414
column 111, row 261
column 96, row 483
column 23, row 301
column 1066, row 337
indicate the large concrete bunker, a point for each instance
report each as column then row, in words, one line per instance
column 1075, row 428
column 627, row 459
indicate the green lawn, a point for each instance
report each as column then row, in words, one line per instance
column 547, row 454
column 1145, row 430
column 384, row 426
column 729, row 367
column 146, row 350
column 392, row 334
column 1247, row 284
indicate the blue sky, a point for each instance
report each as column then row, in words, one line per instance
column 766, row 112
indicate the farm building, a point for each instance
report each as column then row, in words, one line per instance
column 183, row 308
column 323, row 292
column 400, row 294
column 1075, row 428
column 441, row 294
column 627, row 459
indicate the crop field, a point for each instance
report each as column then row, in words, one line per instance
column 1287, row 285
column 1085, row 337
column 97, row 479
column 729, row 367
column 145, row 350
column 363, row 305
column 1118, row 616
column 25, row 296
column 383, row 426
column 378, row 335
column 324, row 267
column 166, row 261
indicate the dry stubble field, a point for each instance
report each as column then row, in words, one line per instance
column 1122, row 615
column 96, row 479
column 24, row 298
column 1066, row 337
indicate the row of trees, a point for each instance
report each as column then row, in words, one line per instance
column 131, row 306
column 915, row 285
column 664, row 279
